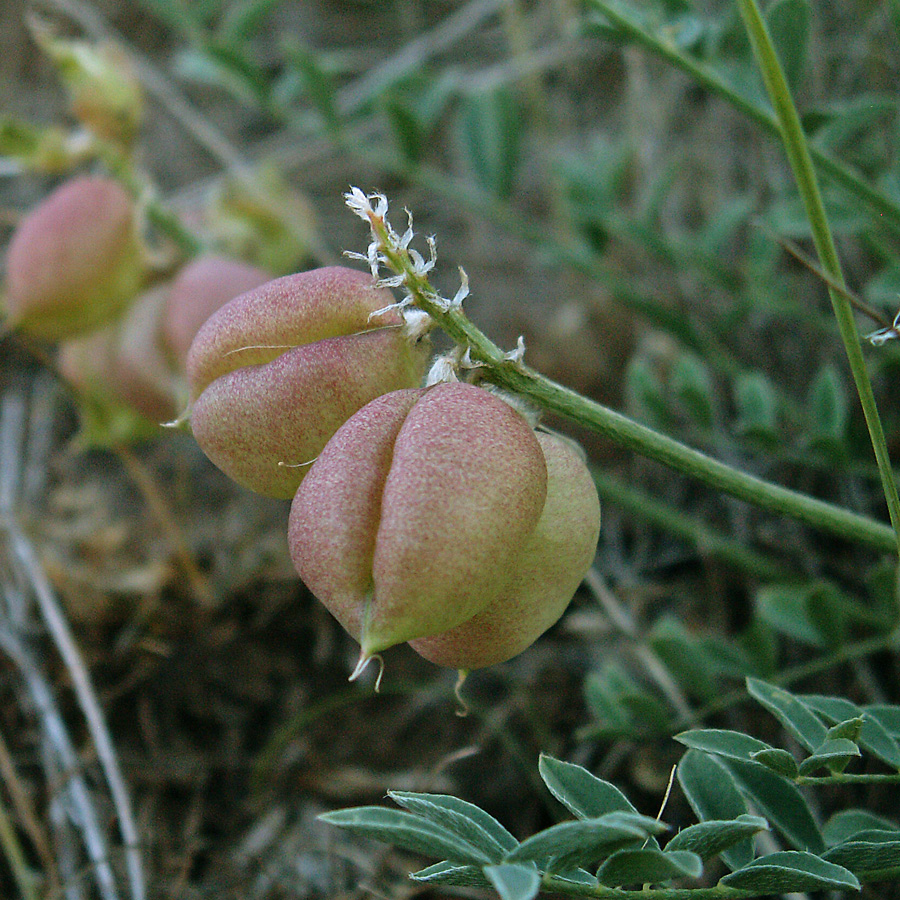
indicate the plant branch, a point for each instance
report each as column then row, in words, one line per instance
column 507, row 371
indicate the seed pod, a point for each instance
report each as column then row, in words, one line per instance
column 546, row 573
column 75, row 261
column 200, row 288
column 122, row 366
column 408, row 522
column 276, row 371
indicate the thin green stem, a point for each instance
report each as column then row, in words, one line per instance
column 797, row 150
column 846, row 778
column 511, row 374
column 719, row 892
column 705, row 76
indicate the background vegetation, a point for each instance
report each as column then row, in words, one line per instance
column 610, row 177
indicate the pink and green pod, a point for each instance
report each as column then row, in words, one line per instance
column 411, row 518
column 75, row 261
column 546, row 572
column 203, row 286
column 276, row 371
column 121, row 375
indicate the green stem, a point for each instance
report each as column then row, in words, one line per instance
column 719, row 892
column 704, row 76
column 797, row 149
column 553, row 397
column 845, row 778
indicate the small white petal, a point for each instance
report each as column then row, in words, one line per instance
column 443, row 370
column 463, row 291
column 882, row 336
column 518, row 355
column 357, row 201
column 467, row 362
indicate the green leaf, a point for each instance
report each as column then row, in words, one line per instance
column 785, row 608
column 733, row 744
column 777, row 760
column 573, row 845
column 849, row 729
column 797, row 718
column 582, row 793
column 848, row 823
column 710, row 838
column 408, row 130
column 406, row 831
column 318, row 84
column 869, row 852
column 780, row 802
column 834, row 755
column 828, row 408
column 874, row 735
column 491, row 133
column 886, row 716
column 452, row 875
column 513, row 881
column 788, row 22
column 465, row 820
column 757, row 406
column 714, row 796
column 790, row 870
column 686, row 658
column 692, row 384
column 648, row 866
column 827, row 612
column 644, row 393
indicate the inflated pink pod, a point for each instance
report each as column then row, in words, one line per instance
column 75, row 261
column 204, row 285
column 124, row 363
column 409, row 521
column 276, row 371
column 544, row 576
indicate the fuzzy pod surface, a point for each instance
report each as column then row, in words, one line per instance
column 276, row 371
column 75, row 261
column 409, row 520
column 544, row 575
column 124, row 363
column 203, row 286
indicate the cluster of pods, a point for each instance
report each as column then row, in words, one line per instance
column 77, row 273
column 430, row 515
column 434, row 515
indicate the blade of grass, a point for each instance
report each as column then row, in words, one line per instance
column 798, row 153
